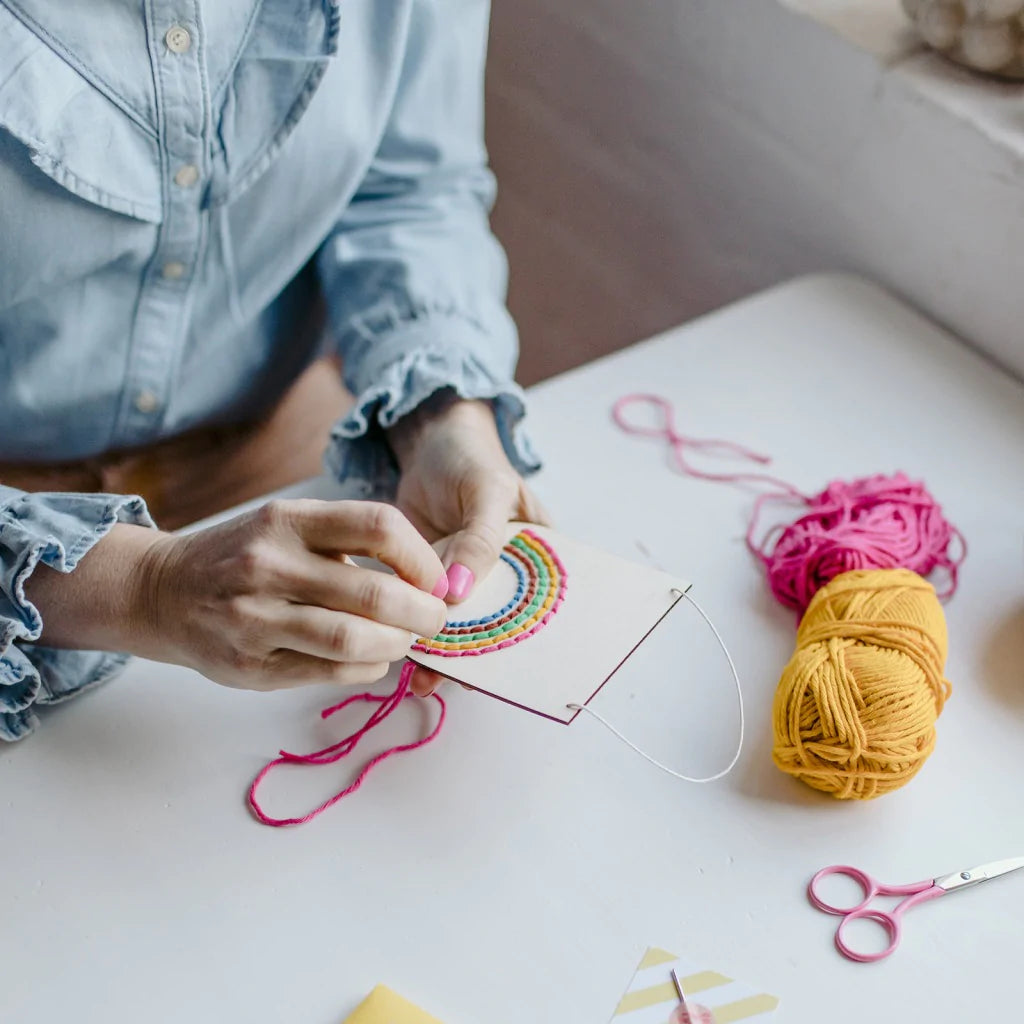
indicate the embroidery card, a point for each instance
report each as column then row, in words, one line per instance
column 551, row 623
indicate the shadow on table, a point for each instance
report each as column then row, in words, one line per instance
column 159, row 733
column 1002, row 671
column 761, row 780
column 1003, row 664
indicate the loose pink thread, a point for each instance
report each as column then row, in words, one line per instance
column 336, row 751
column 386, row 705
column 876, row 522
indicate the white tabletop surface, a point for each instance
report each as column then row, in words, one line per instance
column 516, row 869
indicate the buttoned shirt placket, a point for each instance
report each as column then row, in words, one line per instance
column 161, row 318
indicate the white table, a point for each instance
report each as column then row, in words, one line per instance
column 516, row 870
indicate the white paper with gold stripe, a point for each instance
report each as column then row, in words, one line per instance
column 652, row 999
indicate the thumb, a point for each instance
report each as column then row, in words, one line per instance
column 474, row 550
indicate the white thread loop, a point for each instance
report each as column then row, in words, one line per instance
column 739, row 699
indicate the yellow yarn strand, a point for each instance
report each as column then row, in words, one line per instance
column 855, row 711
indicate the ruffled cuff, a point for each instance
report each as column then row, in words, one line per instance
column 358, row 454
column 55, row 530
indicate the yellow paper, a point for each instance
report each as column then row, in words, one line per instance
column 382, row 1006
column 651, row 997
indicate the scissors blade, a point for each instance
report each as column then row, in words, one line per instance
column 982, row 873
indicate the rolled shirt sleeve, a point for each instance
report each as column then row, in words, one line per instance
column 414, row 279
column 55, row 530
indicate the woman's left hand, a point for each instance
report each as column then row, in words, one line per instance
column 457, row 481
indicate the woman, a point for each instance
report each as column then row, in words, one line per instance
column 182, row 188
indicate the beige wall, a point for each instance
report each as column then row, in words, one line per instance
column 658, row 158
column 588, row 129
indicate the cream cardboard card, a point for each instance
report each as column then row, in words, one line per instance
column 551, row 623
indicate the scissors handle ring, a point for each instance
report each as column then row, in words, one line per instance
column 864, row 880
column 886, row 920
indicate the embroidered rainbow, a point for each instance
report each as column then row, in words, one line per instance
column 540, row 590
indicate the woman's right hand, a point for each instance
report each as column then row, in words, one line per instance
column 267, row 599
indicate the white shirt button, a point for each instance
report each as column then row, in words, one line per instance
column 173, row 270
column 178, row 39
column 147, row 402
column 186, row 176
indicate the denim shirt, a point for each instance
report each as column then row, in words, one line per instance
column 173, row 176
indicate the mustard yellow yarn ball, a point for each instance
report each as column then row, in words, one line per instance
column 855, row 711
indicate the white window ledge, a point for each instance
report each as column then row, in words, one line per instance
column 992, row 107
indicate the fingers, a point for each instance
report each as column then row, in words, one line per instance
column 361, row 528
column 472, row 552
column 324, row 582
column 424, row 527
column 424, row 681
column 336, row 636
column 271, row 599
column 290, row 669
column 531, row 509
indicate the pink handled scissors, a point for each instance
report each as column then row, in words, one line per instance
column 916, row 892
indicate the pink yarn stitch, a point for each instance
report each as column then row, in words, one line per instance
column 336, row 751
column 876, row 522
column 680, row 442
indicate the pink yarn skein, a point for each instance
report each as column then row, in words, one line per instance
column 878, row 522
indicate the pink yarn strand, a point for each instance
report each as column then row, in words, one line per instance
column 877, row 522
column 680, row 442
column 336, row 751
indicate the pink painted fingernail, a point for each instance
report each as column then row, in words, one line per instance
column 441, row 588
column 460, row 581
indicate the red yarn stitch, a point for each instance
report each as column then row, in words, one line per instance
column 336, row 751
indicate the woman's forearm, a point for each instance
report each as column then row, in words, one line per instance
column 101, row 605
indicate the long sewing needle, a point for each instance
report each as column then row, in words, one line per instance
column 679, row 988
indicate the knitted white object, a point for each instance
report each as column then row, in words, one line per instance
column 986, row 35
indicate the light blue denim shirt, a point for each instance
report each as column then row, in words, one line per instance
column 178, row 179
